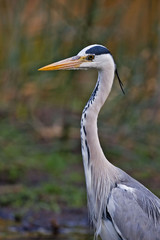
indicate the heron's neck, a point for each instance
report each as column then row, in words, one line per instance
column 91, row 149
column 98, row 170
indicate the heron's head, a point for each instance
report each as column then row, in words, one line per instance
column 94, row 56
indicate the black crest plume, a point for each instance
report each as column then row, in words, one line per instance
column 120, row 82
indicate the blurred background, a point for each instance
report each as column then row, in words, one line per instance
column 40, row 156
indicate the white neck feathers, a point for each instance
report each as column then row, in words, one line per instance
column 97, row 167
column 89, row 134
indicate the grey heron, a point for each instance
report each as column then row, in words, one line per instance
column 120, row 208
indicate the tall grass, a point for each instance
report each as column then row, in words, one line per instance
column 46, row 107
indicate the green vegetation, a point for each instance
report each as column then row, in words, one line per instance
column 40, row 158
column 36, row 175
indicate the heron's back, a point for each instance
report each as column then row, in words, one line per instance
column 133, row 212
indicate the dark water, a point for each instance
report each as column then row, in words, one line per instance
column 60, row 237
column 8, row 231
column 67, row 236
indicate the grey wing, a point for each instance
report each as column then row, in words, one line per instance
column 135, row 212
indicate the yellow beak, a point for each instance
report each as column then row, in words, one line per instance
column 69, row 63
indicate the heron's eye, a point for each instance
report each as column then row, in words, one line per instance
column 90, row 57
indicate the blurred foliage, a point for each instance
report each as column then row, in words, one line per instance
column 40, row 112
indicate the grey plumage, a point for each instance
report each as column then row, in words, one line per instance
column 134, row 210
column 120, row 207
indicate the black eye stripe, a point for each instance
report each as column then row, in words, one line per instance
column 98, row 50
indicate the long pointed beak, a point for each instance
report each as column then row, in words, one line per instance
column 68, row 63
